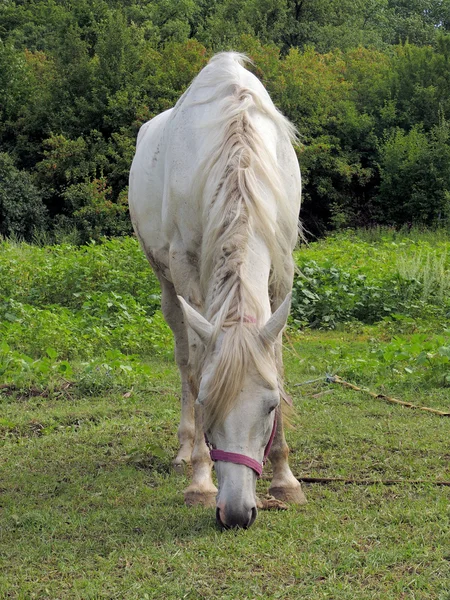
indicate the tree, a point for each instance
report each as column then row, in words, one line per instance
column 415, row 176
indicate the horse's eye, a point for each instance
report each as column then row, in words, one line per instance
column 272, row 408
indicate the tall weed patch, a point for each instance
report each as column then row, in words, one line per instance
column 346, row 278
column 426, row 274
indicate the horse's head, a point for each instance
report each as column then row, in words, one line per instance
column 240, row 395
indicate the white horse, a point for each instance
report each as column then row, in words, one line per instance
column 214, row 199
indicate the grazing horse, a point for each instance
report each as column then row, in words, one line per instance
column 214, row 200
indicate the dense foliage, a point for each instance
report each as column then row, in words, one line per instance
column 366, row 82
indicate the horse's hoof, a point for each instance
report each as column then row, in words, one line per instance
column 180, row 466
column 292, row 495
column 207, row 499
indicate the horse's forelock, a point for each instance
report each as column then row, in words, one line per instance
column 239, row 350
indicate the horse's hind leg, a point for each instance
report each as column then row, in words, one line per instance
column 173, row 314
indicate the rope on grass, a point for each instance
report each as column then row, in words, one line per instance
column 337, row 379
column 348, row 481
column 311, row 381
column 351, row 481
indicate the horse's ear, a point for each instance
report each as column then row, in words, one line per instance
column 277, row 321
column 197, row 322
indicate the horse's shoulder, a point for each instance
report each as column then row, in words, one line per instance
column 153, row 126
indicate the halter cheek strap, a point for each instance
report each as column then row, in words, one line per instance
column 242, row 459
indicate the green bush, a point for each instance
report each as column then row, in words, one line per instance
column 104, row 322
column 92, row 314
column 65, row 274
column 419, row 356
column 81, row 301
column 415, row 176
column 347, row 279
column 94, row 214
column 326, row 296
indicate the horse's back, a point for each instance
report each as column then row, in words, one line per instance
column 166, row 200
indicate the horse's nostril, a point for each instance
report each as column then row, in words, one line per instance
column 219, row 521
column 253, row 517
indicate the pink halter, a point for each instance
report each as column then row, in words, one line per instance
column 241, row 459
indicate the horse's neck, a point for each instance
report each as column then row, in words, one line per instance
column 256, row 272
column 252, row 283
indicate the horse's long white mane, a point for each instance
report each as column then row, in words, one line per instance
column 239, row 184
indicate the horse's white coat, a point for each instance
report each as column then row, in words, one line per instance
column 214, row 200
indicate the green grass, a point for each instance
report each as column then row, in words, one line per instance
column 89, row 505
column 91, row 509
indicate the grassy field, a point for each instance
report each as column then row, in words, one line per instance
column 90, row 508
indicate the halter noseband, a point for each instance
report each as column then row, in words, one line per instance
column 242, row 459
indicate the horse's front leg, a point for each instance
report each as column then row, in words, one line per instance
column 284, row 485
column 201, row 490
column 174, row 317
column 190, row 432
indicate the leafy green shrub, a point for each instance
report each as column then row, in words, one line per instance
column 344, row 278
column 31, row 330
column 81, row 301
column 116, row 323
column 94, row 214
column 127, row 325
column 22, row 369
column 325, row 296
column 65, row 274
column 113, row 370
column 92, row 314
column 420, row 355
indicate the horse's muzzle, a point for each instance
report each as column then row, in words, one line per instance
column 235, row 519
